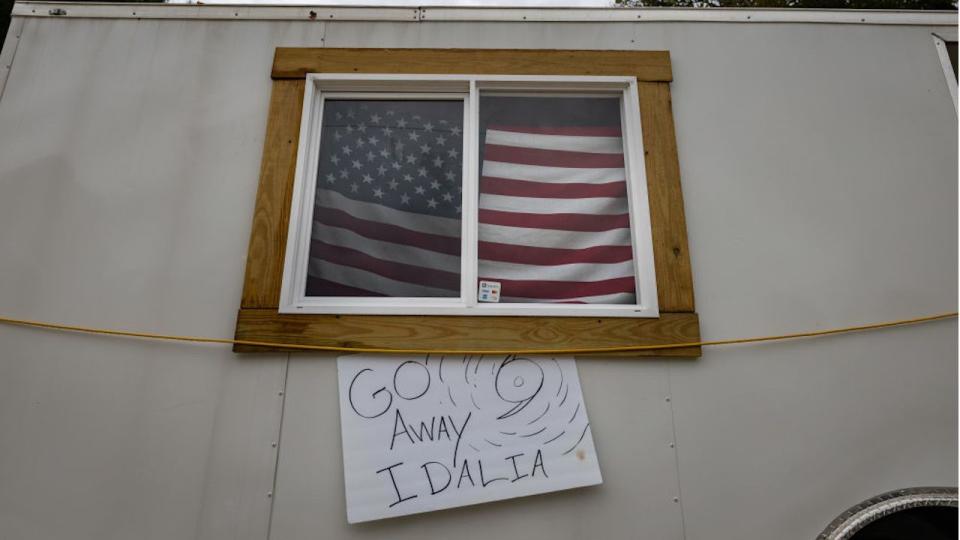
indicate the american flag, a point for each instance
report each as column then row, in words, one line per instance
column 554, row 220
column 386, row 219
column 553, row 217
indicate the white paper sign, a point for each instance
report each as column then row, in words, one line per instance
column 425, row 433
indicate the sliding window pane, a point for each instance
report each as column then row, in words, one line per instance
column 386, row 219
column 554, row 220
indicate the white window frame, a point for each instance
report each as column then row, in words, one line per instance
column 321, row 86
column 940, row 43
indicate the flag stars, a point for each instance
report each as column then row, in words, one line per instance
column 394, row 158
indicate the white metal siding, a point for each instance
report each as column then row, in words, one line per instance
column 819, row 170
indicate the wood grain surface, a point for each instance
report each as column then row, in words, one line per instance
column 667, row 219
column 452, row 332
column 268, row 236
column 295, row 63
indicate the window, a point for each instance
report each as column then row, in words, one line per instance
column 518, row 111
column 495, row 195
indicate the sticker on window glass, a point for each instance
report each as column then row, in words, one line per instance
column 489, row 291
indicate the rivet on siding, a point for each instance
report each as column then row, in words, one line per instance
column 280, row 393
column 269, row 494
column 676, row 499
column 667, row 400
column 672, row 445
column 274, row 444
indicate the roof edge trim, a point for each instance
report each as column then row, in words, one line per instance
column 515, row 14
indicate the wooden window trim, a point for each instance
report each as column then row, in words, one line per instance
column 259, row 318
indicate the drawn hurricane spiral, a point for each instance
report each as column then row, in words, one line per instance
column 530, row 401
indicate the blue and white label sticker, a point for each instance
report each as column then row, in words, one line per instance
column 489, row 291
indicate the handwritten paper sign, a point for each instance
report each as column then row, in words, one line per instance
column 425, row 433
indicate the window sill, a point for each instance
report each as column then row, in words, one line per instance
column 473, row 333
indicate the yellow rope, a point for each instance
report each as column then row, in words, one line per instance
column 592, row 350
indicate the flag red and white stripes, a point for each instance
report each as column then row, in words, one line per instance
column 554, row 221
column 554, row 217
